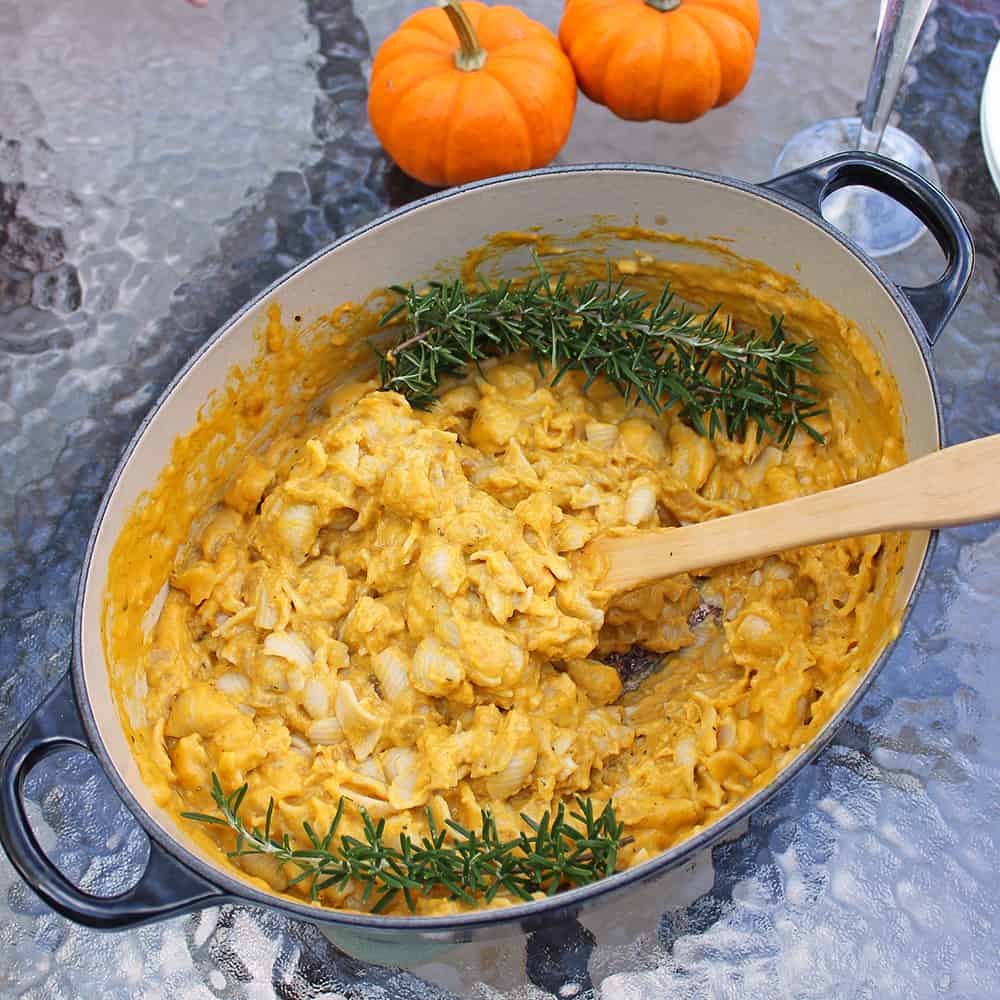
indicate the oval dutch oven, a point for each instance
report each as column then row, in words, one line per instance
column 778, row 222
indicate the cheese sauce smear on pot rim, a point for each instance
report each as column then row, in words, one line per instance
column 394, row 606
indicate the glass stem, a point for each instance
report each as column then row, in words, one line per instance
column 898, row 29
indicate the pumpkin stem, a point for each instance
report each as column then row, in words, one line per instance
column 664, row 6
column 470, row 55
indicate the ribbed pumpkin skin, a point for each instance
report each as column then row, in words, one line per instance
column 674, row 66
column 444, row 125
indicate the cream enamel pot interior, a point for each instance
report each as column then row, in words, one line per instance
column 778, row 223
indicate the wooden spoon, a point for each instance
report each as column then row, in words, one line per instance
column 958, row 485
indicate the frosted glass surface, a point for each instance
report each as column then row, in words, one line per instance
column 159, row 164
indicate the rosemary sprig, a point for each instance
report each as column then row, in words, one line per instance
column 556, row 851
column 655, row 351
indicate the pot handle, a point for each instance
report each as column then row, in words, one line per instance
column 557, row 957
column 167, row 888
column 934, row 303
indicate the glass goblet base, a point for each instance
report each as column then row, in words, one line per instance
column 876, row 223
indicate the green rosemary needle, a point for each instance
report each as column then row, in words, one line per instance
column 556, row 851
column 656, row 351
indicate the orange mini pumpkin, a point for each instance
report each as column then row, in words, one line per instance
column 667, row 59
column 471, row 91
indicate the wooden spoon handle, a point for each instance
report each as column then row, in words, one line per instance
column 958, row 485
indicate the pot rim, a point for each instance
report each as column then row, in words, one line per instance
column 529, row 912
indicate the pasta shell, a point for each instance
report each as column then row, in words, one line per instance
column 376, row 808
column 442, row 564
column 434, row 671
column 152, row 615
column 236, row 685
column 316, row 699
column 408, row 787
column 362, row 728
column 641, row 503
column 514, row 776
column 267, row 614
column 601, row 435
column 392, row 672
column 289, row 646
column 326, row 732
column 297, row 528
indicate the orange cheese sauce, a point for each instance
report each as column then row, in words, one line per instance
column 330, row 594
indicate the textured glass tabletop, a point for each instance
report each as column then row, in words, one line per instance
column 159, row 165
